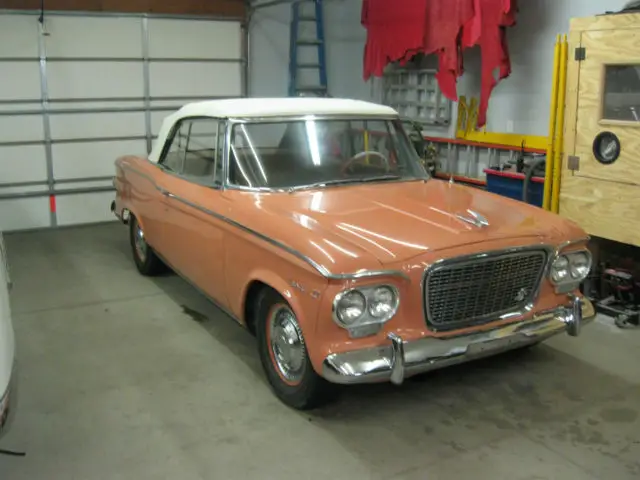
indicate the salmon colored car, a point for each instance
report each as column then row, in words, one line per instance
column 312, row 222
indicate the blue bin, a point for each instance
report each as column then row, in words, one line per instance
column 509, row 184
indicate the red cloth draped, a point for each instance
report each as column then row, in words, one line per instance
column 399, row 29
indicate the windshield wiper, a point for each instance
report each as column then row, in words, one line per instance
column 339, row 181
column 346, row 181
column 379, row 178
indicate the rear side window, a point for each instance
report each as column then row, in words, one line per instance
column 173, row 158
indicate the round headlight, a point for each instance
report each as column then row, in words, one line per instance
column 350, row 307
column 382, row 302
column 579, row 265
column 560, row 269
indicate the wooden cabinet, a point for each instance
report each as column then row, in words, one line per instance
column 600, row 187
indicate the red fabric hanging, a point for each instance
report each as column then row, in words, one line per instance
column 397, row 30
column 443, row 23
column 496, row 15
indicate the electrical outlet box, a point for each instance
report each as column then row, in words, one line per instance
column 509, row 126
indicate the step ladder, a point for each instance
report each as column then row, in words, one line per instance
column 311, row 16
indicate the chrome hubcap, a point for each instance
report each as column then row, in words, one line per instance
column 140, row 243
column 287, row 344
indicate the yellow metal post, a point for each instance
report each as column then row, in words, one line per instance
column 553, row 110
column 366, row 145
column 559, row 137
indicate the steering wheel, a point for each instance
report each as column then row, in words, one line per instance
column 366, row 153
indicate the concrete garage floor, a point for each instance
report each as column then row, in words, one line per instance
column 125, row 377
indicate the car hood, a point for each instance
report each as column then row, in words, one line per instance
column 394, row 222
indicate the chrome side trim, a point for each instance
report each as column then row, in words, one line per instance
column 369, row 274
column 570, row 243
column 533, row 297
column 320, row 268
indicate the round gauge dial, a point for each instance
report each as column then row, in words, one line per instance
column 606, row 147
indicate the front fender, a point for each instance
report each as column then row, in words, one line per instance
column 280, row 285
column 303, row 294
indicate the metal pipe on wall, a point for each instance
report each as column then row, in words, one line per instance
column 245, row 58
column 47, row 193
column 46, row 124
column 558, row 147
column 553, row 111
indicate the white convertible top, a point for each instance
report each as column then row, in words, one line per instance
column 268, row 107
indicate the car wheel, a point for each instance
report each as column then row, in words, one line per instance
column 284, row 357
column 144, row 257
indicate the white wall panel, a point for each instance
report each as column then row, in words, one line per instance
column 20, row 128
column 96, row 159
column 24, row 213
column 195, row 78
column 95, row 79
column 88, row 37
column 18, row 36
column 94, row 37
column 97, row 125
column 25, row 163
column 19, row 80
column 84, row 208
column 194, row 39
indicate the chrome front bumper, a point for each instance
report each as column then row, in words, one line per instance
column 399, row 359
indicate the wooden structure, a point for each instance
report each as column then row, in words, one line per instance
column 601, row 190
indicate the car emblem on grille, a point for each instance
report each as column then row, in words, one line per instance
column 474, row 218
column 521, row 295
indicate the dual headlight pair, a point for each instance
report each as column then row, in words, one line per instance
column 365, row 308
column 568, row 270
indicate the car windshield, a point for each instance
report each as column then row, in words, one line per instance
column 309, row 153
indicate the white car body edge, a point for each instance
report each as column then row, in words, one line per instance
column 7, row 345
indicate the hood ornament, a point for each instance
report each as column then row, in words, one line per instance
column 474, row 218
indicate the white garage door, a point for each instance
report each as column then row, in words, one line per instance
column 81, row 90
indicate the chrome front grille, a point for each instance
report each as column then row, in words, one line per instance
column 460, row 292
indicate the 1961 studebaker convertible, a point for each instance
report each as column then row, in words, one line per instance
column 312, row 222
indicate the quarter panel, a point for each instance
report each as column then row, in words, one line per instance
column 136, row 180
